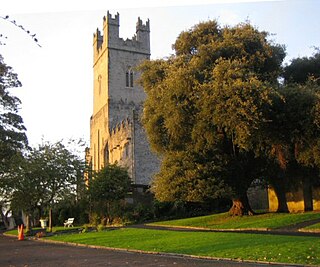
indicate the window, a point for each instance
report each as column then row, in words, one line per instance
column 99, row 83
column 126, row 151
column 129, row 78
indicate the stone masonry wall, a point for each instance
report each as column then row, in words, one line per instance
column 116, row 134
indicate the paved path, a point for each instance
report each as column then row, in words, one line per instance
column 28, row 253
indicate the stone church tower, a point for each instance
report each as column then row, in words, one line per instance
column 116, row 134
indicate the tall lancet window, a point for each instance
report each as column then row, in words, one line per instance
column 129, row 78
column 99, row 83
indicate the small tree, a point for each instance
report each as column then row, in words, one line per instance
column 109, row 186
column 49, row 174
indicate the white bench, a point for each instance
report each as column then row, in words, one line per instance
column 68, row 222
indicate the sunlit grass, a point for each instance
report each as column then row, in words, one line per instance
column 313, row 227
column 273, row 248
column 261, row 221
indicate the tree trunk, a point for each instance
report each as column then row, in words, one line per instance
column 50, row 220
column 279, row 189
column 4, row 218
column 307, row 194
column 28, row 224
column 241, row 206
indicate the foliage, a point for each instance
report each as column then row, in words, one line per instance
column 238, row 246
column 107, row 191
column 100, row 228
column 292, row 139
column 49, row 174
column 71, row 207
column 302, row 69
column 13, row 139
column 188, row 177
column 12, row 131
column 205, row 109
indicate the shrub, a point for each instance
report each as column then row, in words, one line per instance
column 101, row 228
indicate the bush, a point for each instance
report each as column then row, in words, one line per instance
column 95, row 219
column 85, row 228
column 101, row 228
column 142, row 213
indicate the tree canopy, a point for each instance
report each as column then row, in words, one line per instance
column 48, row 174
column 13, row 139
column 303, row 68
column 108, row 187
column 208, row 103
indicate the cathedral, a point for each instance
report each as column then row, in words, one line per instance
column 116, row 132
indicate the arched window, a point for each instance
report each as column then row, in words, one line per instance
column 129, row 78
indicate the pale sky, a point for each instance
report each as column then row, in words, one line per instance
column 58, row 77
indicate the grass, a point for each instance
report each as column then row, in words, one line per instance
column 313, row 227
column 239, row 246
column 55, row 229
column 263, row 247
column 261, row 221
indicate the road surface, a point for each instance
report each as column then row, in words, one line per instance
column 30, row 253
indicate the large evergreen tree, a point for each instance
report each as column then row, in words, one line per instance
column 303, row 68
column 13, row 139
column 205, row 109
column 293, row 135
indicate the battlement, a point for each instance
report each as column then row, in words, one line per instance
column 140, row 42
column 97, row 40
column 123, row 126
column 109, row 20
column 143, row 27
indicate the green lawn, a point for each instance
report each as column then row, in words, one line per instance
column 55, row 229
column 262, row 221
column 254, row 247
column 263, row 247
column 313, row 227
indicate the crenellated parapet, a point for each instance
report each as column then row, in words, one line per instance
column 120, row 146
column 143, row 27
column 121, row 128
column 140, row 42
